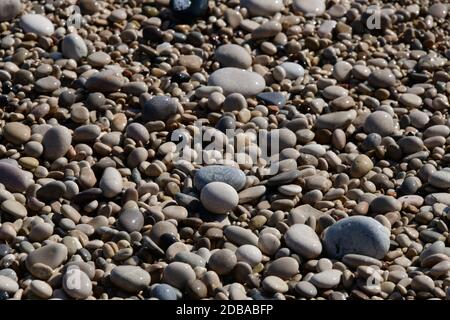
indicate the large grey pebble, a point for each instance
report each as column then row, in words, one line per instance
column 74, row 47
column 159, row 108
column 234, row 80
column 216, row 173
column 232, row 55
column 357, row 234
column 38, row 24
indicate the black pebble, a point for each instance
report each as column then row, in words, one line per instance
column 152, row 33
column 3, row 101
column 4, row 295
column 166, row 240
column 188, row 10
column 180, row 77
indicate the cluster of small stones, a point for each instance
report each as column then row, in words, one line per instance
column 94, row 206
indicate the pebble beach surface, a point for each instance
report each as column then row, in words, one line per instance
column 344, row 106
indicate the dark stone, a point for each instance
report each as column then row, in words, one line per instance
column 3, row 101
column 87, row 196
column 195, row 38
column 225, row 123
column 189, row 202
column 51, row 191
column 189, row 10
column 159, row 108
column 272, row 98
column 180, row 77
column 4, row 295
column 166, row 240
column 66, row 98
column 230, row 175
column 95, row 100
column 152, row 34
column 283, row 178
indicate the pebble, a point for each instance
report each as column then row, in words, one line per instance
column 284, row 268
column 131, row 279
column 47, row 84
column 77, row 284
column 8, row 285
column 219, row 197
column 111, row 182
column 272, row 98
column 232, row 55
column 361, row 166
column 359, row 235
column 104, row 81
column 422, row 283
column 305, row 289
column 188, row 10
column 159, row 108
column 99, row 59
column 178, row 274
column 249, row 254
column 41, row 289
column 262, row 7
column 131, row 220
column 9, row 9
column 303, row 240
column 51, row 255
column 326, row 279
column 438, row 10
column 440, row 179
column 163, row 291
column 234, row 80
column 273, row 284
column 310, row 7
column 335, row 120
column 293, row 70
column 410, row 100
column 381, row 78
column 38, row 24
column 379, row 122
column 342, row 71
column 74, row 47
column 56, row 142
column 240, row 236
column 13, row 178
column 16, row 133
column 14, row 208
column 268, row 243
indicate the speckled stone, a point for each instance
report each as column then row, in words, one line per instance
column 215, row 173
column 357, row 234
